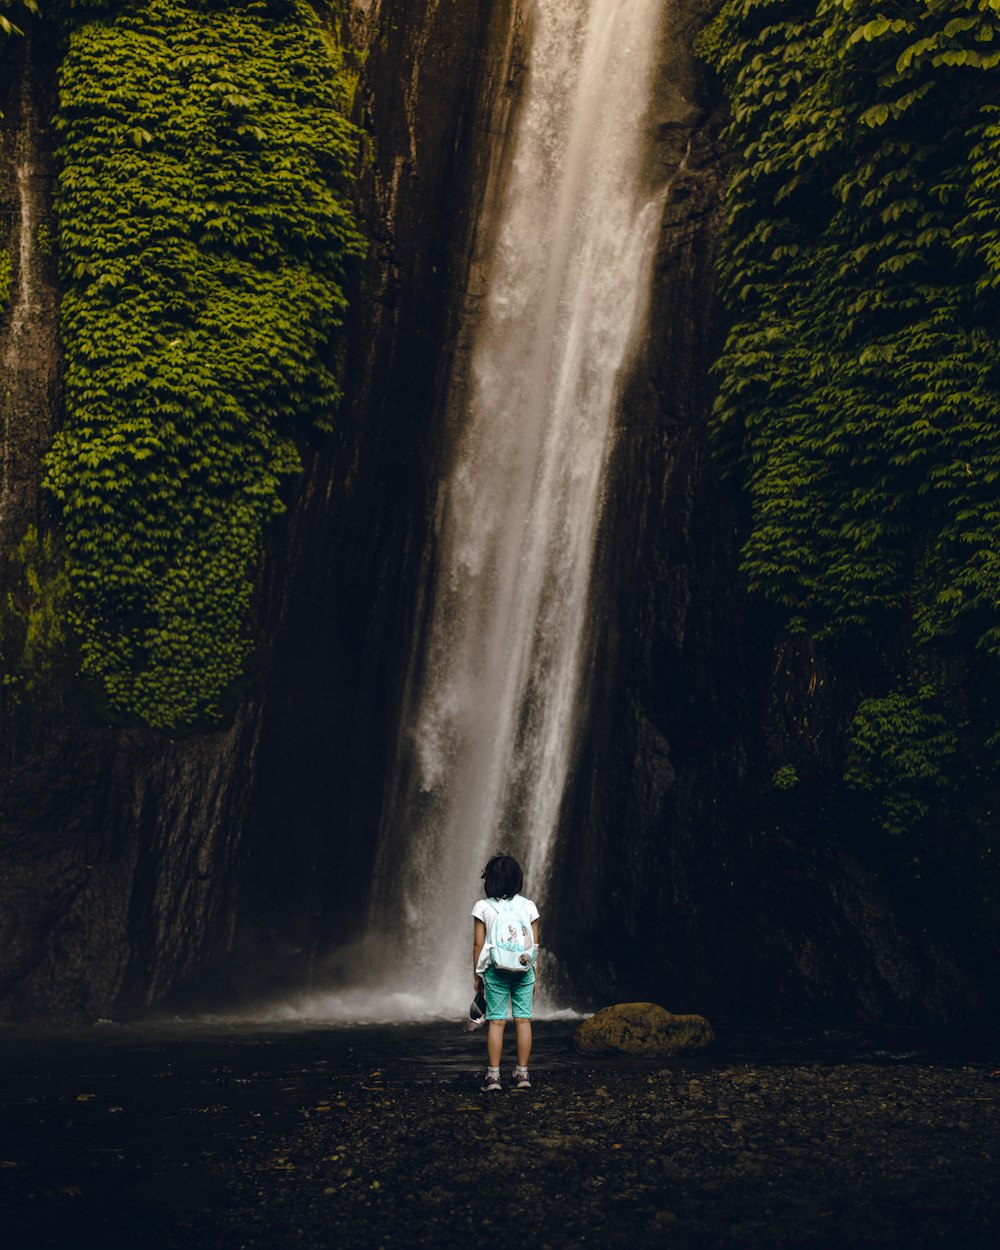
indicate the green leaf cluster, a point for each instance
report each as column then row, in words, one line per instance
column 6, row 273
column 785, row 777
column 205, row 232
column 859, row 391
column 859, row 402
column 33, row 611
column 901, row 748
column 7, row 24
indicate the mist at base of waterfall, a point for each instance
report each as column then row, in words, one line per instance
column 379, row 1000
column 374, row 1006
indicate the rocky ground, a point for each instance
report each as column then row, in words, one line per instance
column 381, row 1138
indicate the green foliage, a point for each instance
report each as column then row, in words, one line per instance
column 7, row 23
column 6, row 272
column 901, row 748
column 33, row 613
column 44, row 243
column 860, row 393
column 204, row 231
column 709, row 43
column 785, row 777
column 859, row 396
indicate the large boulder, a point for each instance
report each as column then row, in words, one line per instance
column 641, row 1029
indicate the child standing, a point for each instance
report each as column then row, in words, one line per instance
column 503, row 879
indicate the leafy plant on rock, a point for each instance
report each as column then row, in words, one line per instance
column 205, row 230
column 859, row 386
column 901, row 747
column 859, row 397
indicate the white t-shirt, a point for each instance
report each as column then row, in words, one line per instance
column 485, row 910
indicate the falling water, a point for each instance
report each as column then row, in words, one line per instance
column 494, row 695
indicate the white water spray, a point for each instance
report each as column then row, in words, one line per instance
column 494, row 697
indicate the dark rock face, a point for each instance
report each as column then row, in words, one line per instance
column 436, row 78
column 29, row 344
column 648, row 851
column 117, row 846
column 131, row 863
column 118, row 863
column 685, row 875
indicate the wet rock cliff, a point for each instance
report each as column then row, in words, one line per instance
column 687, row 874
column 118, row 847
column 438, row 83
column 132, row 864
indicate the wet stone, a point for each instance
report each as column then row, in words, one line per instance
column 307, row 1155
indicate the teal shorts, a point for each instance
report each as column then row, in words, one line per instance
column 516, row 987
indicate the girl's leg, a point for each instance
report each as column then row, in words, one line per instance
column 494, row 1041
column 523, row 1028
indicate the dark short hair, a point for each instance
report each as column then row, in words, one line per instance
column 503, row 877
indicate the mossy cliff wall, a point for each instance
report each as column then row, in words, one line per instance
column 128, row 857
column 724, row 849
column 117, row 845
column 713, row 856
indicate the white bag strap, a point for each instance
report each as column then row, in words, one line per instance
column 492, row 926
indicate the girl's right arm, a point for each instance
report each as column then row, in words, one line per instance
column 478, row 942
column 534, row 930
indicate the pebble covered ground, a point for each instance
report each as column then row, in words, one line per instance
column 381, row 1138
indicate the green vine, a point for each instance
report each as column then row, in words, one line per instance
column 785, row 778
column 6, row 272
column 33, row 611
column 859, row 385
column 7, row 24
column 901, row 748
column 205, row 228
column 860, row 394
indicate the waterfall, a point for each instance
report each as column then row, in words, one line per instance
column 499, row 678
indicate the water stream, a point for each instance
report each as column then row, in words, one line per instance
column 496, row 690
